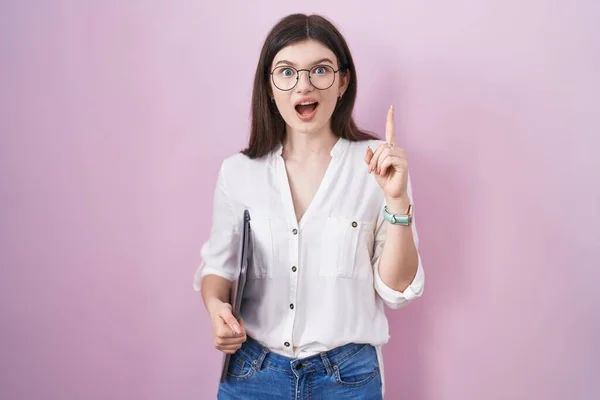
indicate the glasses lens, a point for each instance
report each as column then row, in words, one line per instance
column 285, row 77
column 322, row 76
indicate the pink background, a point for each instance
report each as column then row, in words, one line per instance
column 115, row 115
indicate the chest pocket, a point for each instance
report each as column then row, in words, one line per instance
column 346, row 248
column 269, row 245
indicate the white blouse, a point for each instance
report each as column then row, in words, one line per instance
column 315, row 284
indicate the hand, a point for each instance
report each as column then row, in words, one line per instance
column 389, row 164
column 229, row 334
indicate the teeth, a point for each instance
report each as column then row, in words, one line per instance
column 306, row 103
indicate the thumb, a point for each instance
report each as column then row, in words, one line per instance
column 242, row 326
column 230, row 320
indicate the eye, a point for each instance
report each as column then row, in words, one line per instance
column 320, row 70
column 287, row 72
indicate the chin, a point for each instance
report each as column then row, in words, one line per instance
column 306, row 129
column 310, row 128
column 315, row 125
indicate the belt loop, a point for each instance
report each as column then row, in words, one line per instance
column 326, row 363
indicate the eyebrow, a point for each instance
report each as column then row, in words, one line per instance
column 286, row 62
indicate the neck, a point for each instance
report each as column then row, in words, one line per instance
column 301, row 146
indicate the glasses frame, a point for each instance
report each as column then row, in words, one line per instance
column 335, row 71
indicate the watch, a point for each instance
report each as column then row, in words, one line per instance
column 398, row 219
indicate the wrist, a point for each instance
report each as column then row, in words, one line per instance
column 213, row 304
column 398, row 205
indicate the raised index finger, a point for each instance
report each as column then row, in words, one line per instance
column 390, row 134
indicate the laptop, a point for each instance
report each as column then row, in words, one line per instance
column 237, row 289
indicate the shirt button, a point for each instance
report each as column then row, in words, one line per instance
column 286, row 344
column 292, row 306
column 295, row 231
column 294, row 268
column 354, row 224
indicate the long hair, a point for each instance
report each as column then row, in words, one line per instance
column 267, row 125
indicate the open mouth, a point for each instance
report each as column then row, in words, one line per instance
column 306, row 110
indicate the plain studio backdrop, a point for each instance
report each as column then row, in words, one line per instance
column 115, row 116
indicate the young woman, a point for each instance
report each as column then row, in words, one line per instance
column 334, row 235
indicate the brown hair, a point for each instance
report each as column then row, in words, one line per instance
column 267, row 125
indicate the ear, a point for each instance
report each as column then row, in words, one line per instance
column 344, row 82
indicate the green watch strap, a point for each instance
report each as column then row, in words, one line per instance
column 397, row 219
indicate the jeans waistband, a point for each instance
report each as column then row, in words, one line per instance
column 260, row 356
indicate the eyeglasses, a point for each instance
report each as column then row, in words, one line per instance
column 286, row 78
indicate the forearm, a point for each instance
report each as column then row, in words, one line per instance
column 399, row 258
column 215, row 290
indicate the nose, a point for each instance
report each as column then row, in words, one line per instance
column 304, row 84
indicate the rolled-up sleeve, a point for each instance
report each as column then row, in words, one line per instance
column 394, row 298
column 219, row 253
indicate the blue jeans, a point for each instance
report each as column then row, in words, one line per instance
column 346, row 372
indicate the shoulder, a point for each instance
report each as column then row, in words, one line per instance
column 240, row 162
column 238, row 172
column 358, row 149
column 361, row 145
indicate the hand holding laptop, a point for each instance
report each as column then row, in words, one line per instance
column 229, row 334
column 228, row 327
